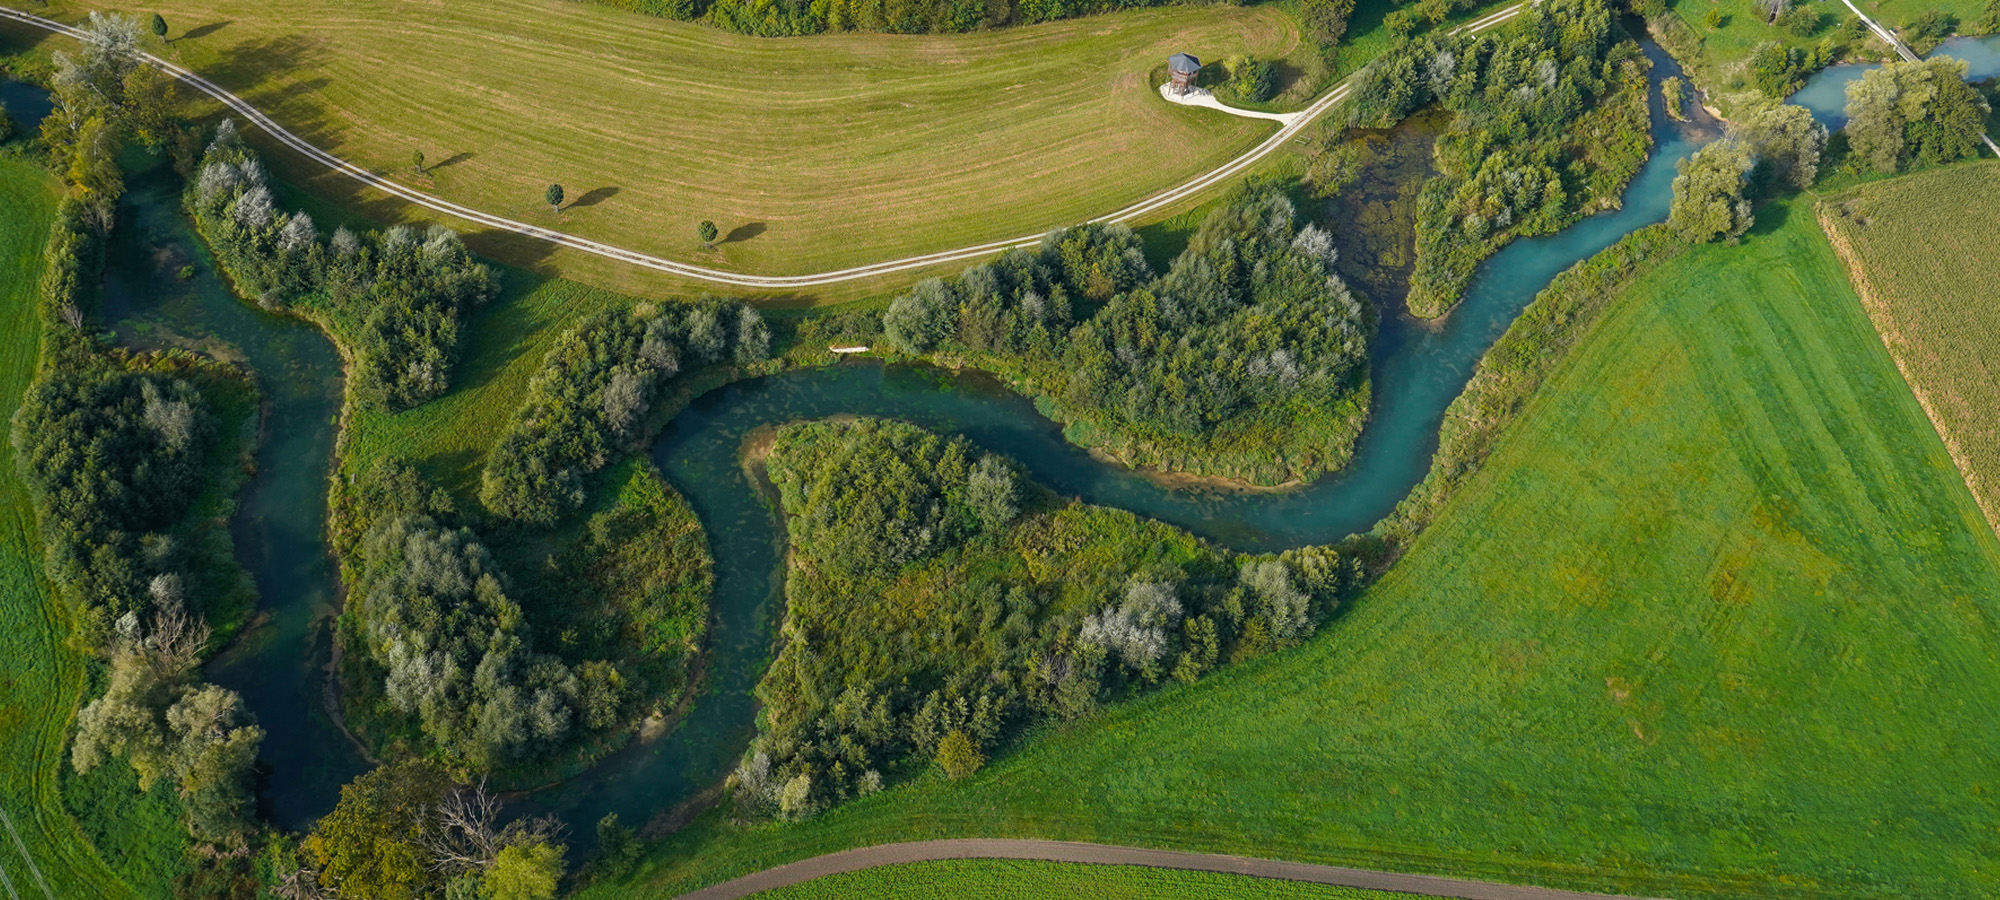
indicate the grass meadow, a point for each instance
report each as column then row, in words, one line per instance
column 1920, row 250
column 809, row 153
column 41, row 680
column 1716, row 619
column 1008, row 879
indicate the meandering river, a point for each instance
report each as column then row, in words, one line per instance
column 1418, row 369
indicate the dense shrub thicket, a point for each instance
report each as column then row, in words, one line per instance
column 1247, row 359
column 394, row 298
column 935, row 604
column 493, row 673
column 1549, row 123
column 593, row 392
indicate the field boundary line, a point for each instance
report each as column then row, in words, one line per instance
column 1110, row 854
column 22, row 846
column 686, row 270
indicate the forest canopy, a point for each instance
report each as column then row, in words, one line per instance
column 393, row 298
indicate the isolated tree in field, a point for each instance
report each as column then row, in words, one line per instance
column 554, row 197
column 708, row 232
column 417, row 161
column 159, row 26
column 1907, row 114
column 1708, row 193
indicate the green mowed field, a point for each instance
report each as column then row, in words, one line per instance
column 41, row 682
column 998, row 879
column 1715, row 620
column 808, row 153
column 1922, row 249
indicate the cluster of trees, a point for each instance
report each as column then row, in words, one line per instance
column 1549, row 122
column 1247, row 359
column 491, row 667
column 394, row 297
column 1910, row 114
column 1780, row 70
column 104, row 95
column 166, row 724
column 593, row 392
column 936, row 604
column 447, row 646
column 406, row 832
column 784, row 18
column 1769, row 150
column 114, row 461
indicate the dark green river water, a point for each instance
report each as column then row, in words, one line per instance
column 1418, row 368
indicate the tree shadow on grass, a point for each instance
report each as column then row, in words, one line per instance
column 594, row 197
column 202, row 31
column 743, row 233
column 451, row 160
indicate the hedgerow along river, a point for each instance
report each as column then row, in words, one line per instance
column 279, row 664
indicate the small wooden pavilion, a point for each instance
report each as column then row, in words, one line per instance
column 1181, row 70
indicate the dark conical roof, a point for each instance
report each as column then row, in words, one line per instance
column 1183, row 64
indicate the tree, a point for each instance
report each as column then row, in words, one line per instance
column 1325, row 22
column 527, row 871
column 708, row 232
column 1708, row 193
column 1786, row 142
column 159, row 26
column 1906, row 114
column 417, row 162
column 989, row 490
column 554, row 197
column 958, row 756
column 368, row 846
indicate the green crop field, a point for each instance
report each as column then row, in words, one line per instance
column 1715, row 620
column 41, row 681
column 995, row 879
column 1921, row 246
column 808, row 153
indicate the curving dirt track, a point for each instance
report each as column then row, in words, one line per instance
column 1106, row 854
column 393, row 188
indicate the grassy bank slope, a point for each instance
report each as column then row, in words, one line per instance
column 41, row 682
column 809, row 153
column 1714, row 621
column 1922, row 252
column 994, row 879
